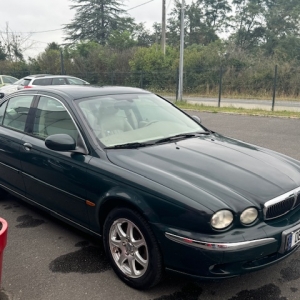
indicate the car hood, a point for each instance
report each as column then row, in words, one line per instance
column 7, row 89
column 216, row 171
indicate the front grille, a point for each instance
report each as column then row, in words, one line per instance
column 282, row 204
column 280, row 208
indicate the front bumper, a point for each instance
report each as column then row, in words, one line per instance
column 227, row 255
column 219, row 246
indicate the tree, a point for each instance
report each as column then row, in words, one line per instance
column 2, row 52
column 203, row 20
column 143, row 36
column 14, row 44
column 282, row 19
column 53, row 46
column 96, row 19
column 121, row 40
column 265, row 24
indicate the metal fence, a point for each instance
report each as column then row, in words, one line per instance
column 219, row 82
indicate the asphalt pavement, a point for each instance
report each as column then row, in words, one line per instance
column 47, row 259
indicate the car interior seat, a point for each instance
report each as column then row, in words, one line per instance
column 110, row 122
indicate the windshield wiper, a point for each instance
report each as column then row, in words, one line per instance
column 129, row 146
column 181, row 136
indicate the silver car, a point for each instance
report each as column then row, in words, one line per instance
column 38, row 80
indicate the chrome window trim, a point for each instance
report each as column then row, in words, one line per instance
column 81, row 137
column 279, row 199
column 218, row 246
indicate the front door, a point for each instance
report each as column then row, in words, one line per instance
column 55, row 180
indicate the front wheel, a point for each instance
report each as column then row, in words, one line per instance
column 132, row 248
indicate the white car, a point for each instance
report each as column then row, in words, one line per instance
column 38, row 80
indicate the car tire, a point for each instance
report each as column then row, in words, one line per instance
column 132, row 248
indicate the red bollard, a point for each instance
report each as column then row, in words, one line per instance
column 3, row 240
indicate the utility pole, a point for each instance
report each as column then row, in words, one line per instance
column 163, row 27
column 180, row 84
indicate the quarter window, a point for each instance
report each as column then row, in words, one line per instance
column 75, row 81
column 52, row 118
column 17, row 112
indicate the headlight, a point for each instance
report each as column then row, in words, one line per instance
column 221, row 219
column 249, row 215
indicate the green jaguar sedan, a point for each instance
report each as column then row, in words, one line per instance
column 160, row 189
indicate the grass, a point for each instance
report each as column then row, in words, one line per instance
column 235, row 110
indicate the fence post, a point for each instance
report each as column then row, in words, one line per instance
column 274, row 88
column 177, row 84
column 142, row 78
column 220, row 86
column 62, row 62
column 112, row 75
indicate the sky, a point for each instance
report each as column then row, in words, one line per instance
column 31, row 18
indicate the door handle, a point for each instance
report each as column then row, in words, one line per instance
column 27, row 146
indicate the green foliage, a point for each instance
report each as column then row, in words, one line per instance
column 3, row 55
column 203, row 19
column 121, row 40
column 53, row 46
column 152, row 67
column 95, row 20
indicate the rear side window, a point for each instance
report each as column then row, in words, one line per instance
column 58, row 81
column 42, row 81
column 17, row 111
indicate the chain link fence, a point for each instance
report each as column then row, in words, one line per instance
column 221, row 82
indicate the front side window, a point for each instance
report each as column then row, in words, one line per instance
column 52, row 118
column 130, row 118
column 17, row 111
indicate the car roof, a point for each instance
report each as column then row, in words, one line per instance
column 86, row 91
column 49, row 75
column 38, row 75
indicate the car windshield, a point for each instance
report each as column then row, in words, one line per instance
column 21, row 81
column 135, row 118
column 9, row 79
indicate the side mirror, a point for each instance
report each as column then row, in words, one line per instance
column 197, row 119
column 60, row 142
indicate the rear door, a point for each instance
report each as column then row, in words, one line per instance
column 14, row 114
